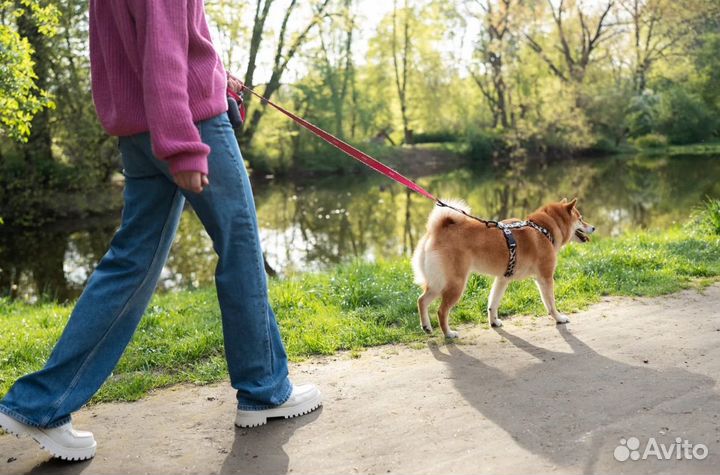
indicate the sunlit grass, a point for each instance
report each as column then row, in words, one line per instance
column 354, row 306
column 711, row 149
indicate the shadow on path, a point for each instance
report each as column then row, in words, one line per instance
column 56, row 466
column 555, row 406
column 260, row 450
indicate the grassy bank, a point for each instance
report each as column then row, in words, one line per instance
column 708, row 149
column 354, row 306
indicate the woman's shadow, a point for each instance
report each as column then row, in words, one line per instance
column 555, row 406
column 260, row 451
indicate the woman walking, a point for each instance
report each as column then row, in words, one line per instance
column 159, row 85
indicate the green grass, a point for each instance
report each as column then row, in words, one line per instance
column 354, row 306
column 690, row 150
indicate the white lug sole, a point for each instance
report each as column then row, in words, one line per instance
column 259, row 418
column 17, row 429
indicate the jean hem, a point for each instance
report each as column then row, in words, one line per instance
column 24, row 420
column 263, row 407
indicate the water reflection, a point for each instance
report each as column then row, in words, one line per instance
column 314, row 225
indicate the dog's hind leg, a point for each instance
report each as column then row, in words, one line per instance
column 450, row 296
column 423, row 303
column 496, row 294
column 547, row 293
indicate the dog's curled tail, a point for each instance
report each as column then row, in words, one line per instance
column 439, row 217
column 442, row 216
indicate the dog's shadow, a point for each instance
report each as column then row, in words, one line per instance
column 554, row 407
column 260, row 450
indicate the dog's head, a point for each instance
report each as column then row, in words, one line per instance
column 566, row 214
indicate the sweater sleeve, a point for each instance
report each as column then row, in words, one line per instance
column 163, row 38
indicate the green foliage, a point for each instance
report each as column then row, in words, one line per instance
column 450, row 94
column 706, row 219
column 651, row 141
column 20, row 98
column 484, row 145
column 642, row 114
column 354, row 306
column 683, row 116
column 436, row 137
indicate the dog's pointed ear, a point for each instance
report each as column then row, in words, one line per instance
column 563, row 201
column 570, row 205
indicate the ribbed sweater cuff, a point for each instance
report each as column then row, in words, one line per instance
column 188, row 162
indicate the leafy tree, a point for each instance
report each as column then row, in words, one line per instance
column 22, row 23
column 578, row 41
column 496, row 46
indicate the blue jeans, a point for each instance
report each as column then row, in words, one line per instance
column 118, row 292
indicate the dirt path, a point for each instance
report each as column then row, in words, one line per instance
column 532, row 398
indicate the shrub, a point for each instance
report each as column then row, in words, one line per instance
column 705, row 219
column 683, row 117
column 642, row 114
column 711, row 215
column 650, row 141
column 602, row 146
column 435, row 137
column 484, row 145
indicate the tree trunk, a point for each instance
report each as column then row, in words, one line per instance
column 401, row 77
column 282, row 59
column 261, row 14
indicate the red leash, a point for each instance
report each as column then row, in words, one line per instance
column 352, row 151
column 358, row 155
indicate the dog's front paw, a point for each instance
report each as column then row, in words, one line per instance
column 427, row 329
column 451, row 335
column 497, row 323
column 560, row 319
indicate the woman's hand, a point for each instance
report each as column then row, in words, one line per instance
column 235, row 84
column 191, row 181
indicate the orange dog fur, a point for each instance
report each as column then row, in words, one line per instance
column 455, row 245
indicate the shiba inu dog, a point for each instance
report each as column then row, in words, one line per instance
column 456, row 245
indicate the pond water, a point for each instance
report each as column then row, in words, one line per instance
column 316, row 224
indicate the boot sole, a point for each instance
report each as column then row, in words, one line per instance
column 70, row 454
column 259, row 418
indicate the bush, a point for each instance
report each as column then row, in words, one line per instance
column 602, row 146
column 683, row 117
column 711, row 215
column 642, row 114
column 650, row 141
column 705, row 220
column 484, row 145
column 435, row 137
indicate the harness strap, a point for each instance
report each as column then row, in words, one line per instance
column 512, row 248
column 512, row 243
column 543, row 230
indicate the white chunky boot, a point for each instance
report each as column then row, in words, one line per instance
column 304, row 399
column 62, row 442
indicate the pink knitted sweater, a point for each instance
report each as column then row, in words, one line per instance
column 154, row 69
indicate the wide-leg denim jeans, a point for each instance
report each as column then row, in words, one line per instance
column 118, row 292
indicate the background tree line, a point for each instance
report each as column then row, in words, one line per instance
column 511, row 78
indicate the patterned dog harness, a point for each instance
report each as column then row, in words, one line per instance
column 512, row 244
